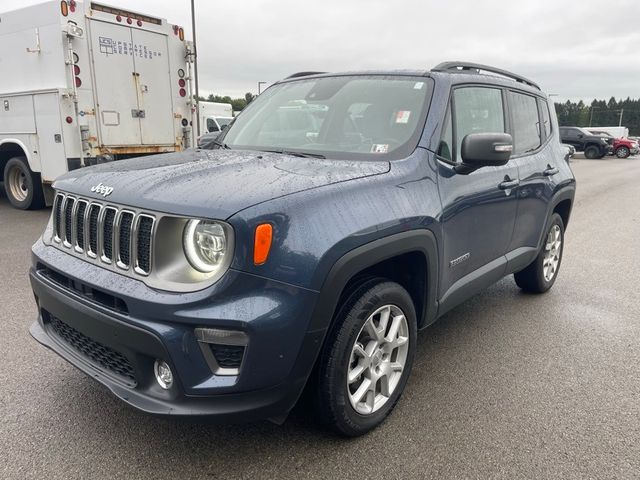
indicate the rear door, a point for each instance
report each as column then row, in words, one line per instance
column 115, row 84
column 151, row 64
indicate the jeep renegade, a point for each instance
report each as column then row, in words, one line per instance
column 337, row 216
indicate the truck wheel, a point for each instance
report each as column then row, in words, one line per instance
column 541, row 274
column 23, row 187
column 367, row 358
column 592, row 153
column 623, row 152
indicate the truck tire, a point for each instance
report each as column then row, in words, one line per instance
column 623, row 152
column 367, row 358
column 23, row 187
column 541, row 274
column 592, row 152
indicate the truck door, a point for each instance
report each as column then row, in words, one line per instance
column 115, row 84
column 151, row 62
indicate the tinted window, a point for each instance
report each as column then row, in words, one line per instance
column 526, row 124
column 477, row 110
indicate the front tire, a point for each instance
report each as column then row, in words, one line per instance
column 541, row 274
column 367, row 358
column 623, row 152
column 592, row 152
column 23, row 187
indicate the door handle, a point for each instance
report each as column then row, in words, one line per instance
column 550, row 171
column 509, row 184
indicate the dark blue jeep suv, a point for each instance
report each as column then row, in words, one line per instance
column 334, row 218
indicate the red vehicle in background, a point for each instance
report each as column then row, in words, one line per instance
column 622, row 147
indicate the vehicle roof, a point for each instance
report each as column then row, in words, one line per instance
column 450, row 76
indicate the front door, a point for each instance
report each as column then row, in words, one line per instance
column 479, row 209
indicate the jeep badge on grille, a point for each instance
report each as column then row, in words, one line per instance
column 102, row 189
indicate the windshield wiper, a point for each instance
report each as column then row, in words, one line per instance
column 297, row 154
column 221, row 145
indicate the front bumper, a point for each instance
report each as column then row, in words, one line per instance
column 138, row 329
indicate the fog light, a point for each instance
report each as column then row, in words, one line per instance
column 164, row 376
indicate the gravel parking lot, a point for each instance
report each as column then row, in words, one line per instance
column 507, row 385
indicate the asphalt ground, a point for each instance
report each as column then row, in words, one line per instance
column 507, row 385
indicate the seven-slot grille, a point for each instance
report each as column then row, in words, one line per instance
column 105, row 233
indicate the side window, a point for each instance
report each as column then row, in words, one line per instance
column 476, row 110
column 445, row 148
column 546, row 118
column 211, row 125
column 526, row 124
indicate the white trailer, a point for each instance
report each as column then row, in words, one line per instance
column 617, row 132
column 214, row 116
column 85, row 83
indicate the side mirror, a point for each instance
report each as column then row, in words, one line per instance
column 580, row 135
column 485, row 150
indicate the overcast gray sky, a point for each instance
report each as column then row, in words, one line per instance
column 576, row 49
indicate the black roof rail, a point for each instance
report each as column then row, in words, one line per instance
column 303, row 74
column 467, row 67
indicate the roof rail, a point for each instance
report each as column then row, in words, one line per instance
column 467, row 67
column 303, row 74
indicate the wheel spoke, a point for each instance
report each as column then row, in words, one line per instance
column 355, row 373
column 362, row 390
column 395, row 328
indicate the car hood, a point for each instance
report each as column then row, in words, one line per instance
column 210, row 183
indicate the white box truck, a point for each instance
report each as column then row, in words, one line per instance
column 214, row 116
column 90, row 83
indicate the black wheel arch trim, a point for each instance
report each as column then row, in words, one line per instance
column 360, row 258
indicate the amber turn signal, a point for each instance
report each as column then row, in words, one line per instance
column 262, row 244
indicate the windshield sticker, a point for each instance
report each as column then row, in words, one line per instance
column 380, row 148
column 418, row 86
column 403, row 116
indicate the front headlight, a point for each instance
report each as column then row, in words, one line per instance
column 206, row 245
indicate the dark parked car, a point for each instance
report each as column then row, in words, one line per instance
column 222, row 282
column 593, row 146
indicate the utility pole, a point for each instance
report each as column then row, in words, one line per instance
column 195, row 64
column 260, row 85
column 591, row 116
column 621, row 112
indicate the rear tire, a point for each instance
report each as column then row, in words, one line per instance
column 592, row 153
column 623, row 152
column 22, row 186
column 367, row 358
column 541, row 274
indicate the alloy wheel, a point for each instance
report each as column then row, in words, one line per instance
column 552, row 252
column 378, row 358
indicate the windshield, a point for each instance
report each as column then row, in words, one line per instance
column 350, row 117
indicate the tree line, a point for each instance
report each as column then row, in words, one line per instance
column 601, row 113
column 236, row 103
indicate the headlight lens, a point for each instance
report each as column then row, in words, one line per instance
column 206, row 245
